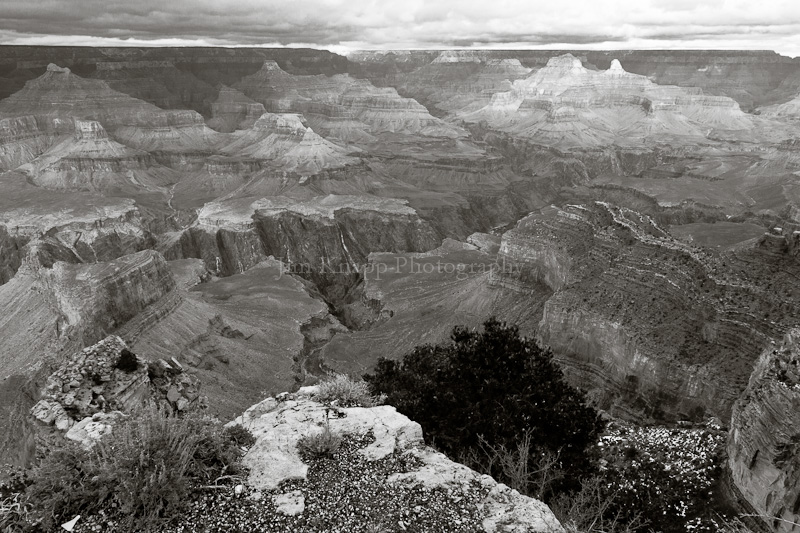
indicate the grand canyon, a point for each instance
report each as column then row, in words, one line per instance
column 252, row 219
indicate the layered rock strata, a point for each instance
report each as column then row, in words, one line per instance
column 566, row 104
column 657, row 323
column 764, row 444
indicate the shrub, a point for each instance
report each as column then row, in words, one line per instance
column 127, row 361
column 522, row 468
column 62, row 485
column 347, row 392
column 319, row 445
column 493, row 385
column 142, row 472
column 595, row 508
column 240, row 435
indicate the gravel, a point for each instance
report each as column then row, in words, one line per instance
column 345, row 493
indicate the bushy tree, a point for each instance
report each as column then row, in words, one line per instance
column 491, row 387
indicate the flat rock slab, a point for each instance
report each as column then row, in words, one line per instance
column 278, row 424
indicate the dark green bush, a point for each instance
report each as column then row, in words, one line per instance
column 240, row 435
column 127, row 361
column 496, row 385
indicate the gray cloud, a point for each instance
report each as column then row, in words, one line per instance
column 341, row 24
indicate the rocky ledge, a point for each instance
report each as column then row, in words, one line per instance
column 375, row 437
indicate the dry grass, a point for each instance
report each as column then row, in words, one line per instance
column 347, row 392
column 319, row 445
column 142, row 472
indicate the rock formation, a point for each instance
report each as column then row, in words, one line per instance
column 566, row 104
column 279, row 423
column 344, row 104
column 333, row 233
column 234, row 111
column 462, row 82
column 764, row 444
column 634, row 315
column 21, row 140
column 159, row 82
column 91, row 161
column 58, row 95
column 787, row 110
column 107, row 377
column 286, row 141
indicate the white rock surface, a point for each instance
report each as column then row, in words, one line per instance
column 90, row 429
column 291, row 504
column 279, row 423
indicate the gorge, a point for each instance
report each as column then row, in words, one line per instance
column 265, row 216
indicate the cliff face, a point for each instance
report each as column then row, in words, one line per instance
column 73, row 234
column 641, row 317
column 764, row 444
column 333, row 233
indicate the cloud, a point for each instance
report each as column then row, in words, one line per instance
column 345, row 24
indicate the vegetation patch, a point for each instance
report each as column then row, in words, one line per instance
column 139, row 477
column 343, row 391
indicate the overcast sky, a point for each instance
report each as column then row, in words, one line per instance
column 342, row 25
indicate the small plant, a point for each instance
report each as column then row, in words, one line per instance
column 347, row 392
column 522, row 468
column 127, row 361
column 240, row 435
column 320, row 445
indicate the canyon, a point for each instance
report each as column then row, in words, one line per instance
column 264, row 216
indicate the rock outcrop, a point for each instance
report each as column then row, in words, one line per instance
column 100, row 383
column 279, row 423
column 764, row 444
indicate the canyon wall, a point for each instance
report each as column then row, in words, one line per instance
column 645, row 321
column 764, row 444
